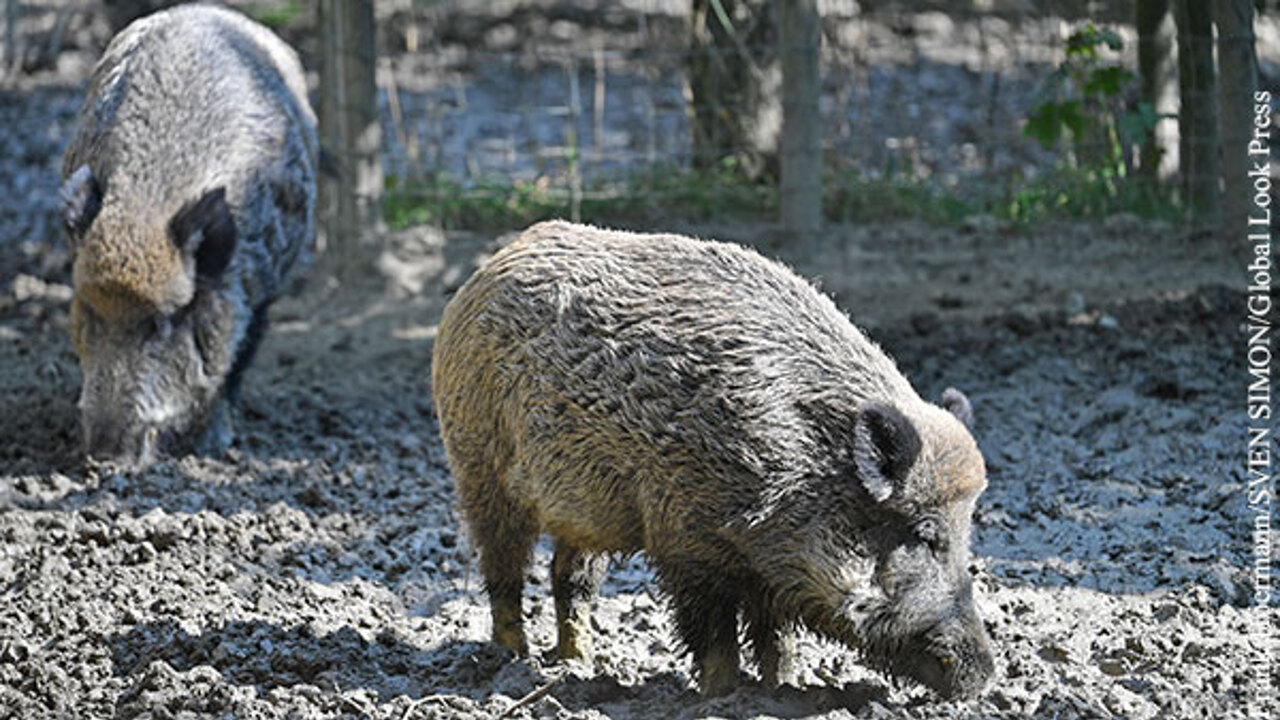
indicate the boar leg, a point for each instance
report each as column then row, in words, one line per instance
column 706, row 614
column 504, row 532
column 773, row 644
column 575, row 579
column 245, row 353
column 221, row 430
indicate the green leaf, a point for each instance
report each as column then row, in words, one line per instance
column 1083, row 43
column 1070, row 114
column 1149, row 116
column 1111, row 38
column 1044, row 124
column 1137, row 125
column 1106, row 81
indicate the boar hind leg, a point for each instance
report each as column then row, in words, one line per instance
column 504, row 532
column 575, row 578
column 706, row 613
column 773, row 644
column 504, row 556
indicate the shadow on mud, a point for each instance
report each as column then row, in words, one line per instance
column 789, row 701
column 41, row 436
column 266, row 655
column 39, row 385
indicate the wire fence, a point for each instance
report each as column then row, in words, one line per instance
column 498, row 113
column 551, row 109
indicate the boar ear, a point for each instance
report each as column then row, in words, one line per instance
column 81, row 200
column 955, row 402
column 206, row 228
column 885, row 446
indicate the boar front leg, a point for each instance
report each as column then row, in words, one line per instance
column 217, row 439
column 575, row 579
column 773, row 643
column 705, row 604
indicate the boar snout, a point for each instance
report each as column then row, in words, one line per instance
column 935, row 640
column 956, row 660
column 109, row 439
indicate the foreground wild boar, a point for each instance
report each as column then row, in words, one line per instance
column 697, row 401
column 188, row 197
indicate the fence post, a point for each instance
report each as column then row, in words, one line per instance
column 349, row 130
column 733, row 85
column 1237, row 62
column 11, row 36
column 1199, row 142
column 801, row 191
column 1158, row 78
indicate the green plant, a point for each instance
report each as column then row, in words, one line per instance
column 499, row 204
column 487, row 205
column 1085, row 97
column 852, row 197
column 1073, row 192
column 1086, row 100
column 276, row 15
column 725, row 188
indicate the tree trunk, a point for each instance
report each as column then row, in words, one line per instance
column 733, row 86
column 1238, row 63
column 349, row 130
column 1158, row 77
column 1200, row 146
column 801, row 192
column 10, row 36
column 122, row 12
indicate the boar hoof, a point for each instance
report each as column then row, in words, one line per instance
column 511, row 638
column 575, row 579
column 508, row 627
column 217, row 439
column 777, row 666
column 574, row 642
column 719, row 672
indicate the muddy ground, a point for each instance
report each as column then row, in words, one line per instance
column 320, row 569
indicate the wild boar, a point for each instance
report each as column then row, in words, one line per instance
column 188, row 197
column 696, row 401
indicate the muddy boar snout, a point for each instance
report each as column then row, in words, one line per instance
column 956, row 659
column 109, row 441
column 135, row 407
column 936, row 639
column 104, row 439
column 124, row 441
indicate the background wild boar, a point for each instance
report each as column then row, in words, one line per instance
column 189, row 194
column 704, row 404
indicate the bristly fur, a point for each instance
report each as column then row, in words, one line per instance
column 700, row 402
column 190, row 191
